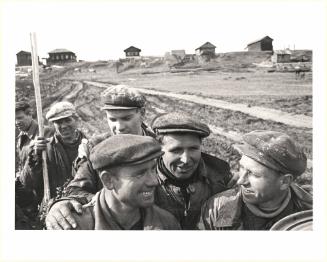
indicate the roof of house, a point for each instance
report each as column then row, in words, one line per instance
column 206, row 45
column 60, row 50
column 23, row 52
column 258, row 40
column 132, row 49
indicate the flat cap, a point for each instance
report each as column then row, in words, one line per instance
column 122, row 97
column 179, row 123
column 22, row 105
column 61, row 110
column 275, row 150
column 124, row 149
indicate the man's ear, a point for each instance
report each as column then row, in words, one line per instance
column 142, row 112
column 286, row 181
column 107, row 179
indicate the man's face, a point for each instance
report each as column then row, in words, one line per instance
column 66, row 128
column 125, row 121
column 134, row 185
column 260, row 185
column 23, row 120
column 182, row 154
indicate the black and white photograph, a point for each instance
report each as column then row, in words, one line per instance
column 178, row 117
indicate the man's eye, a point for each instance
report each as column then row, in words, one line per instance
column 112, row 119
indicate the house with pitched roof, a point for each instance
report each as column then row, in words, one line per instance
column 132, row 51
column 24, row 58
column 206, row 49
column 262, row 44
column 61, row 56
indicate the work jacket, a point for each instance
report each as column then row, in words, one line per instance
column 225, row 211
column 185, row 201
column 97, row 216
column 59, row 168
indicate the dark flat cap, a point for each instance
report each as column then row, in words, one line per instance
column 124, row 149
column 60, row 110
column 22, row 105
column 275, row 150
column 179, row 123
column 122, row 97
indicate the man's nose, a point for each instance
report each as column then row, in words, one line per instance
column 185, row 157
column 120, row 126
column 243, row 178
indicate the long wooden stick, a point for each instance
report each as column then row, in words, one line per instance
column 36, row 81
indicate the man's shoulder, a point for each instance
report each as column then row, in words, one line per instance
column 96, row 139
column 222, row 210
column 225, row 197
column 85, row 221
column 215, row 163
column 167, row 220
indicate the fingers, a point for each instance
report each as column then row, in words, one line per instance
column 40, row 143
column 77, row 206
column 60, row 216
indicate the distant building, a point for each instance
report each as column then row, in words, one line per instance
column 24, row 58
column 263, row 44
column 179, row 53
column 206, row 49
column 281, row 56
column 61, row 56
column 132, row 51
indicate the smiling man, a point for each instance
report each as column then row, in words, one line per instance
column 61, row 149
column 127, row 168
column 270, row 162
column 187, row 176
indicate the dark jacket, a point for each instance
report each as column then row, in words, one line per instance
column 86, row 181
column 211, row 177
column 97, row 216
column 24, row 139
column 225, row 211
column 59, row 168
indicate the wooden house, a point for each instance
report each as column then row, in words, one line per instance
column 61, row 56
column 263, row 44
column 24, row 58
column 206, row 49
column 132, row 51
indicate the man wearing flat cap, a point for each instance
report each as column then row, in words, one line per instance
column 269, row 164
column 125, row 110
column 187, row 176
column 61, row 149
column 127, row 168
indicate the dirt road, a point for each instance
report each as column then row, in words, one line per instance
column 259, row 112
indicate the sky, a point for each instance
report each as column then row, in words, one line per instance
column 101, row 30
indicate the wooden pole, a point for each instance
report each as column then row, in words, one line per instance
column 36, row 81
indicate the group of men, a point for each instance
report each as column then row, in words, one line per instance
column 136, row 177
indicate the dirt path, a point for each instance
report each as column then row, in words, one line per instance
column 259, row 112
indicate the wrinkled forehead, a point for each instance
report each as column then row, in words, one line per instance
column 255, row 166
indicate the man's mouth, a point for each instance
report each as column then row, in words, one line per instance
column 148, row 194
column 184, row 169
column 247, row 191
